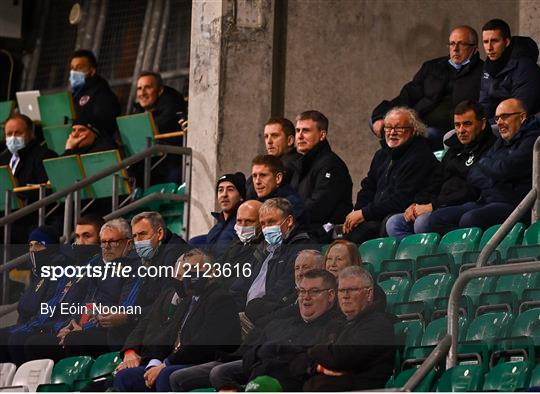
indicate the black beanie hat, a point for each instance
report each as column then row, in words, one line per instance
column 86, row 123
column 238, row 180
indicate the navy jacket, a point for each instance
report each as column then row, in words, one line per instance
column 504, row 173
column 394, row 177
column 448, row 184
column 520, row 78
column 221, row 235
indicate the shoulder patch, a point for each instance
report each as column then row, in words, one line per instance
column 327, row 175
column 83, row 100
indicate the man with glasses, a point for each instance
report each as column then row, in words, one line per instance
column 362, row 356
column 439, row 86
column 510, row 69
column 502, row 175
column 397, row 172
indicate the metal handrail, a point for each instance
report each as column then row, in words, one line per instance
column 15, row 262
column 459, row 285
column 158, row 148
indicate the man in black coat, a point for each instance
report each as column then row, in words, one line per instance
column 448, row 183
column 397, row 172
column 191, row 323
column 439, row 86
column 510, row 70
column 92, row 96
column 502, row 176
column 362, row 356
column 86, row 138
column 322, row 180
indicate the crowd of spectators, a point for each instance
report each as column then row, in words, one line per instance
column 255, row 297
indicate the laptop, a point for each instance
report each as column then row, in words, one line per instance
column 28, row 104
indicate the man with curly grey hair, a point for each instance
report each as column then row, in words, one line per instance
column 397, row 172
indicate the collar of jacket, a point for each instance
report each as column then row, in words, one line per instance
column 531, row 124
column 465, row 69
column 397, row 153
column 28, row 148
column 321, row 147
column 220, row 218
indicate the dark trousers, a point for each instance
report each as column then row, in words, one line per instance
column 132, row 379
column 470, row 214
column 365, row 231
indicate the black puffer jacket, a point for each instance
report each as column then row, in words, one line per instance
column 519, row 78
column 504, row 173
column 101, row 144
column 394, row 177
column 435, row 81
column 97, row 103
column 324, row 183
column 448, row 184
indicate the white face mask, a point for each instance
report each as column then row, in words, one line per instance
column 15, row 144
column 245, row 233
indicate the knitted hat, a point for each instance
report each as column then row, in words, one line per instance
column 45, row 235
column 264, row 384
column 238, row 180
column 86, row 123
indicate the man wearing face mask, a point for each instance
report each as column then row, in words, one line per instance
column 272, row 270
column 248, row 230
column 92, row 97
column 189, row 324
column 157, row 246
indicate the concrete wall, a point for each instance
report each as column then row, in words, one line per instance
column 345, row 56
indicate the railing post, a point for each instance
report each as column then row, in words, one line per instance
column 68, row 212
column 7, row 246
column 76, row 207
column 114, row 202
column 147, row 165
column 536, row 180
column 41, row 210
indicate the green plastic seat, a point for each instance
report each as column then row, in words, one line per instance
column 477, row 286
column 103, row 367
column 169, row 187
column 527, row 324
column 56, row 109
column 530, row 247
column 409, row 249
column 439, row 154
column 376, row 250
column 423, row 293
column 324, row 248
column 6, row 108
column 535, row 377
column 56, row 137
column 396, row 289
column 402, row 378
column 509, row 290
column 66, row 372
column 461, row 378
column 508, row 376
column 484, row 331
column 408, row 333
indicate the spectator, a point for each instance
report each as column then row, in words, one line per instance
column 510, row 70
column 397, row 172
column 268, row 174
column 362, row 356
column 93, row 98
column 182, row 329
column 307, row 260
column 231, row 191
column 87, row 229
column 322, row 180
column 166, row 104
column 503, row 174
column 439, row 86
column 448, row 184
column 168, row 107
column 340, row 254
column 272, row 270
column 157, row 246
column 86, row 138
column 24, row 154
column 240, row 253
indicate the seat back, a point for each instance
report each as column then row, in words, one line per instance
column 56, row 109
column 33, row 373
column 7, row 371
column 535, row 377
column 56, row 137
column 96, row 162
column 459, row 241
column 508, row 376
column 489, row 326
column 527, row 324
column 437, row 329
column 416, row 245
column 134, row 131
column 461, row 378
column 431, row 286
column 71, row 368
column 517, row 283
column 105, row 365
column 376, row 250
column 403, row 377
column 6, row 108
column 532, row 234
column 64, row 171
column 8, row 182
column 396, row 289
column 408, row 332
column 480, row 285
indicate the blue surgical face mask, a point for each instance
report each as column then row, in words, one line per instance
column 76, row 78
column 15, row 144
column 273, row 235
column 145, row 250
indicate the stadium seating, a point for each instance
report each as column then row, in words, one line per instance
column 461, row 378
column 56, row 137
column 135, row 130
column 65, row 372
column 7, row 371
column 404, row 376
column 103, row 367
column 396, row 289
column 376, row 250
column 508, row 376
column 530, row 247
column 6, row 109
column 8, row 182
column 56, row 109
column 30, row 375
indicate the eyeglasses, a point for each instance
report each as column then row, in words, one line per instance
column 348, row 290
column 112, row 244
column 310, row 292
column 397, row 129
column 505, row 117
column 453, row 44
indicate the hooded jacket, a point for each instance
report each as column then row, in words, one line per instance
column 519, row 78
column 504, row 173
column 448, row 184
column 394, row 177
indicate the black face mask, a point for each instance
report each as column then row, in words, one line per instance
column 195, row 284
column 41, row 258
column 83, row 253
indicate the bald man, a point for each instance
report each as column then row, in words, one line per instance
column 502, row 175
column 240, row 252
